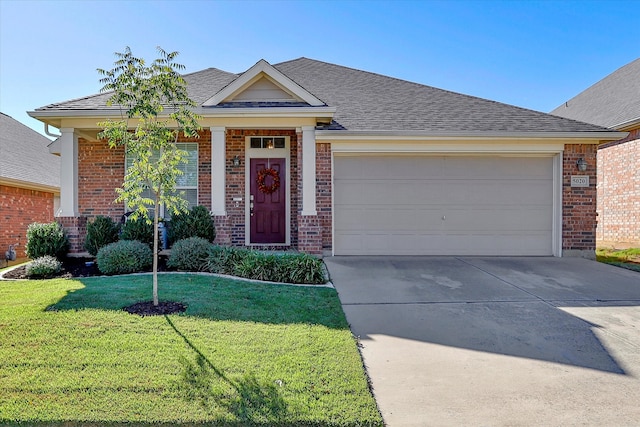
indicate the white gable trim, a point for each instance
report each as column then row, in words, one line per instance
column 263, row 69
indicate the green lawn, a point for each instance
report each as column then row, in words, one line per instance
column 627, row 258
column 242, row 354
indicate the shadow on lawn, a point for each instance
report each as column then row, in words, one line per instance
column 211, row 298
column 250, row 401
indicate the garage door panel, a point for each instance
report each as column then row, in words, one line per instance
column 400, row 218
column 443, row 205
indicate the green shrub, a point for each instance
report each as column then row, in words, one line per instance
column 44, row 267
column 301, row 268
column 286, row 268
column 125, row 256
column 46, row 239
column 195, row 223
column 223, row 259
column 138, row 229
column 190, row 254
column 259, row 266
column 100, row 232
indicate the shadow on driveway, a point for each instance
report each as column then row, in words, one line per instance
column 510, row 306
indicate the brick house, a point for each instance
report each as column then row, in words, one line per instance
column 29, row 182
column 614, row 102
column 367, row 164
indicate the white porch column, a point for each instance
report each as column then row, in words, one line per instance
column 309, row 170
column 68, row 172
column 218, row 171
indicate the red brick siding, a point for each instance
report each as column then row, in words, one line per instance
column 76, row 228
column 323, row 192
column 101, row 171
column 20, row 207
column 619, row 191
column 579, row 204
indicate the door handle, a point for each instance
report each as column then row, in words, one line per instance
column 251, row 206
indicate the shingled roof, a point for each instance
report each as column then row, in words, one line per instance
column 24, row 157
column 612, row 102
column 366, row 101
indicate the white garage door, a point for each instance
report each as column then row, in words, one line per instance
column 447, row 205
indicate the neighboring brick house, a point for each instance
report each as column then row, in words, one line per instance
column 29, row 182
column 367, row 164
column 614, row 102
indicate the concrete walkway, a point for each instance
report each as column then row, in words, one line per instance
column 471, row 341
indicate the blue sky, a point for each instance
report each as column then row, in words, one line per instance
column 534, row 54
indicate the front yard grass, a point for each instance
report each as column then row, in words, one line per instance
column 242, row 354
column 627, row 258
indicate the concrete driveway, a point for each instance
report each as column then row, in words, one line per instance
column 452, row 341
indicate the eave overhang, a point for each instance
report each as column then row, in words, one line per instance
column 353, row 135
column 10, row 182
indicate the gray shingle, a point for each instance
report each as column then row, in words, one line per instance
column 368, row 101
column 612, row 101
column 24, row 155
column 372, row 102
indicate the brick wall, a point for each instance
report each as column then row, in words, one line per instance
column 20, row 207
column 579, row 204
column 323, row 192
column 619, row 192
column 101, row 171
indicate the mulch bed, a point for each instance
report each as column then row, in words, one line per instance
column 85, row 267
column 148, row 309
column 75, row 267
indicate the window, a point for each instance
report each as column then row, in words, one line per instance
column 267, row 142
column 187, row 182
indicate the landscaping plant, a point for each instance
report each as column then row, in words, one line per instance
column 195, row 223
column 138, row 229
column 125, row 256
column 100, row 232
column 46, row 239
column 286, row 268
column 190, row 254
column 43, row 267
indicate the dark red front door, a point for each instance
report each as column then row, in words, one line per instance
column 268, row 214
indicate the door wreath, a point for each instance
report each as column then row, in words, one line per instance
column 262, row 176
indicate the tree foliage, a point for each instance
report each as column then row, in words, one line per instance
column 155, row 109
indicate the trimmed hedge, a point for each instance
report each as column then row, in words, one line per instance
column 123, row 257
column 46, row 239
column 190, row 254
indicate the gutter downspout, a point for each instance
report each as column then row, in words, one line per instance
column 46, row 130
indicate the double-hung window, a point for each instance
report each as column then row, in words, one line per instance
column 187, row 182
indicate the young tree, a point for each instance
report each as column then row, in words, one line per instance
column 154, row 110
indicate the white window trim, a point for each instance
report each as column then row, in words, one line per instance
column 180, row 146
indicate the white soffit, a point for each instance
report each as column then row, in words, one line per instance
column 263, row 70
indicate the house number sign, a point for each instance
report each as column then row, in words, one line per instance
column 580, row 180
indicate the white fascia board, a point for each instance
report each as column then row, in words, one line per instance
column 10, row 182
column 250, row 76
column 587, row 137
column 435, row 147
column 627, row 125
column 205, row 112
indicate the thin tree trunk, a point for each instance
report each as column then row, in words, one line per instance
column 155, row 252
